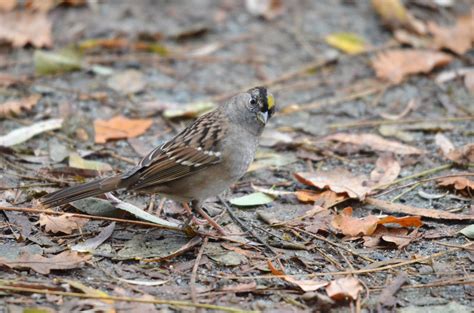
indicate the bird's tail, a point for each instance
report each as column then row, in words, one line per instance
column 90, row 189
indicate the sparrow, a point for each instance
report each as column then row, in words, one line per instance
column 200, row 162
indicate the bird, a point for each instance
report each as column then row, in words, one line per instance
column 200, row 162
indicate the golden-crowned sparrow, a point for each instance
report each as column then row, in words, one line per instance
column 198, row 163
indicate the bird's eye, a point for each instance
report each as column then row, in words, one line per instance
column 253, row 102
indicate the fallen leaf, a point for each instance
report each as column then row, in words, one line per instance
column 269, row 9
column 16, row 107
column 66, row 223
column 457, row 38
column 7, row 5
column 386, row 170
column 253, row 199
column 406, row 221
column 459, row 183
column 22, row 134
column 91, row 244
column 22, row 28
column 120, row 127
column 353, row 226
column 338, row 180
column 395, row 65
column 325, row 199
column 264, row 159
column 375, row 240
column 374, row 142
column 387, row 300
column 242, row 287
column 463, row 155
column 53, row 62
column 405, row 209
column 408, row 38
column 349, row 43
column 92, row 292
column 366, row 226
column 127, row 82
column 394, row 117
column 444, row 144
column 395, row 15
column 305, row 285
column 344, row 288
column 191, row 110
column 42, row 265
column 468, row 231
column 76, row 161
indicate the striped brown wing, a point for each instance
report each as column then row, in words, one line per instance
column 195, row 148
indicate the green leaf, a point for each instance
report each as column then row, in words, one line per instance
column 348, row 42
column 65, row 60
column 253, row 199
column 76, row 161
column 468, row 231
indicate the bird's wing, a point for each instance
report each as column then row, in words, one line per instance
column 195, row 148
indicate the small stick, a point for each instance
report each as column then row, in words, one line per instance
column 192, row 283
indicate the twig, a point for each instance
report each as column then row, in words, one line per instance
column 92, row 217
column 390, row 122
column 405, row 209
column 102, row 297
column 423, row 181
column 192, row 283
column 331, row 243
column 361, row 271
column 421, row 174
column 415, row 185
column 244, row 227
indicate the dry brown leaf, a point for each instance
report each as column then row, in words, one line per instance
column 457, row 38
column 375, row 142
column 395, row 65
column 63, row 261
column 386, row 170
column 354, row 226
column 460, row 183
column 305, row 285
column 344, row 288
column 397, row 236
column 405, row 209
column 120, row 127
column 7, row 5
column 462, row 155
column 325, row 199
column 22, row 28
column 366, row 226
column 338, row 180
column 66, row 223
column 16, row 107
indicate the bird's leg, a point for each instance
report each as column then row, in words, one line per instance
column 197, row 205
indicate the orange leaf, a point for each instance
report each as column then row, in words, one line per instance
column 406, row 221
column 343, row 288
column 120, row 127
column 395, row 65
column 325, row 199
column 305, row 285
column 459, row 183
column 353, row 226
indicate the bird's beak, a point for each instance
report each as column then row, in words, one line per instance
column 262, row 117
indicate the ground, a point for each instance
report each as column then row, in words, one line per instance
column 314, row 86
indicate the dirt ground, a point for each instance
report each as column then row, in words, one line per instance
column 207, row 51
